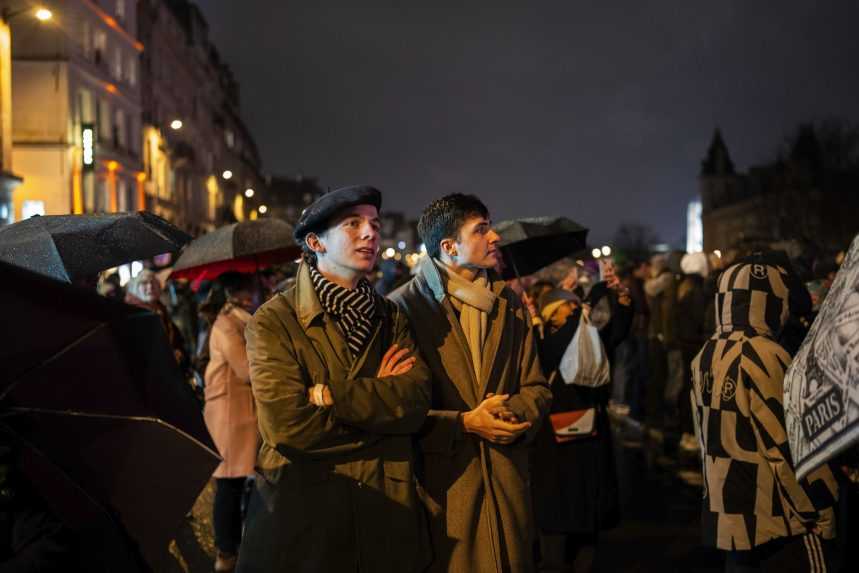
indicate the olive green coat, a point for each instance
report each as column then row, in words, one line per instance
column 335, row 486
column 477, row 492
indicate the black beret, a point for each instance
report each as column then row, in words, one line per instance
column 315, row 217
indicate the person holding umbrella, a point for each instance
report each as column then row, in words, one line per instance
column 489, row 394
column 338, row 397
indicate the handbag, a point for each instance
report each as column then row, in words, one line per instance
column 573, row 424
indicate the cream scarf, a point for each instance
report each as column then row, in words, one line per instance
column 473, row 300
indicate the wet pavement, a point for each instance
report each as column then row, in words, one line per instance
column 661, row 504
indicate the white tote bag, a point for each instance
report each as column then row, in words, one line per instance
column 584, row 362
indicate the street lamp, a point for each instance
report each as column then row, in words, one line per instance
column 262, row 209
column 606, row 251
column 41, row 13
column 176, row 124
column 227, row 174
column 596, row 253
column 249, row 193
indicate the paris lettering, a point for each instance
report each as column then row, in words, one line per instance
column 820, row 415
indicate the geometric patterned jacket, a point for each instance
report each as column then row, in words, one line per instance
column 751, row 494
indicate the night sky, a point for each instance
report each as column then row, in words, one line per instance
column 601, row 111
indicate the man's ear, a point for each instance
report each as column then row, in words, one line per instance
column 315, row 243
column 448, row 247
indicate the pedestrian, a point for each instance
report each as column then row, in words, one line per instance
column 144, row 291
column 339, row 394
column 754, row 507
column 661, row 291
column 489, row 395
column 229, row 413
column 689, row 328
column 574, row 482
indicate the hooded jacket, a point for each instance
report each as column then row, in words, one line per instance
column 751, row 492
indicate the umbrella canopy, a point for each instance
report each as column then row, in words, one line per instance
column 528, row 245
column 244, row 247
column 109, row 433
column 74, row 247
column 821, row 387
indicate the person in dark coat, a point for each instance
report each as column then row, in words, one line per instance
column 574, row 484
column 338, row 398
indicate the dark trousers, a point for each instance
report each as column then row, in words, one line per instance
column 799, row 554
column 227, row 516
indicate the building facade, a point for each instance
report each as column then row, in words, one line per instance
column 201, row 163
column 801, row 196
column 76, row 128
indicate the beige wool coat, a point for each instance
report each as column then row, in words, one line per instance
column 229, row 411
column 477, row 492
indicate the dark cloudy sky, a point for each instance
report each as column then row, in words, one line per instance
column 600, row 110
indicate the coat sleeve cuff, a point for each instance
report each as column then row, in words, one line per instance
column 442, row 430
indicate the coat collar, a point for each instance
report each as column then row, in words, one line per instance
column 307, row 303
column 434, row 280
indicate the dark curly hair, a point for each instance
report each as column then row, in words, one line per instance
column 443, row 219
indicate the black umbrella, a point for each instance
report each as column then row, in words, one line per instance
column 244, row 247
column 109, row 434
column 528, row 245
column 74, row 247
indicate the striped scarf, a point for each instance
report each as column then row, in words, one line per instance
column 354, row 308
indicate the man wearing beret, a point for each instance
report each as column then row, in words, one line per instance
column 488, row 397
column 339, row 393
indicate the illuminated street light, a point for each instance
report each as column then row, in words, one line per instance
column 262, row 209
column 43, row 14
column 227, row 174
column 390, row 252
column 401, row 245
column 249, row 193
column 596, row 253
column 606, row 251
column 176, row 124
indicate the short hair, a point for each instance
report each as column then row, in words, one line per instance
column 233, row 282
column 443, row 219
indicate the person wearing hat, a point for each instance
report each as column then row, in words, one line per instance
column 338, row 393
column 574, row 481
column 489, row 395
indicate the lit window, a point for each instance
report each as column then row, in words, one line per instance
column 100, row 46
column 230, row 138
column 32, row 208
column 131, row 71
column 117, row 63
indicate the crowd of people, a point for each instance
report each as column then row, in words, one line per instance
column 444, row 419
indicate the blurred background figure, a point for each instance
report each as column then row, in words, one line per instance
column 229, row 411
column 144, row 291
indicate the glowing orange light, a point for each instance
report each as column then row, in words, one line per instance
column 111, row 88
column 112, row 165
column 141, row 176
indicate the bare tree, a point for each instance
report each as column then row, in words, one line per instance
column 635, row 239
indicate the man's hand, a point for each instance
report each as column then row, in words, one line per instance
column 320, row 395
column 488, row 421
column 394, row 362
